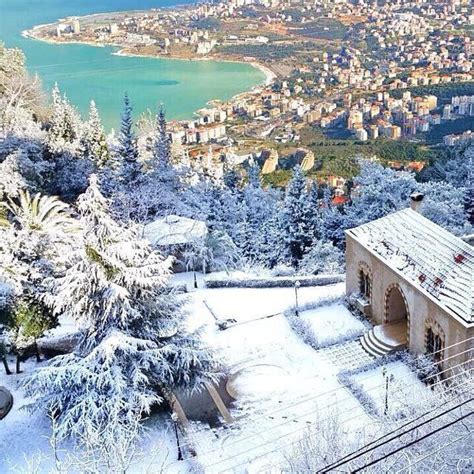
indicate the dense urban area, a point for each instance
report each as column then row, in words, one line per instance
column 387, row 71
column 282, row 283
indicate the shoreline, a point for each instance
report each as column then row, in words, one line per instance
column 269, row 75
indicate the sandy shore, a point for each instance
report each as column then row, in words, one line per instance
column 270, row 76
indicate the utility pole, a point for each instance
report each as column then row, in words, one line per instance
column 297, row 285
column 388, row 379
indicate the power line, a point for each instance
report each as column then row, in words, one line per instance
column 336, row 389
column 294, row 442
column 333, row 464
column 291, row 433
column 349, row 458
column 442, row 448
column 414, row 442
column 350, row 397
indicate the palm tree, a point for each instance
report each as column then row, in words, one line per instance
column 40, row 223
column 39, row 213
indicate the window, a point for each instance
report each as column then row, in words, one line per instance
column 365, row 284
column 434, row 345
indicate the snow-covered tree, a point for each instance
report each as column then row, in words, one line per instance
column 33, row 236
column 215, row 252
column 18, row 91
column 162, row 143
column 257, row 207
column 127, row 151
column 296, row 235
column 134, row 343
column 313, row 204
column 93, row 141
column 64, row 127
column 322, row 257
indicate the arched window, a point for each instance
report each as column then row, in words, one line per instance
column 365, row 283
column 434, row 345
column 434, row 340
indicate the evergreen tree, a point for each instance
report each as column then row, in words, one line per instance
column 313, row 212
column 65, row 123
column 258, row 207
column 130, row 168
column 134, row 344
column 296, row 233
column 94, row 141
column 322, row 257
column 162, row 143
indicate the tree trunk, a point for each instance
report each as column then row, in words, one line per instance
column 38, row 357
column 5, row 364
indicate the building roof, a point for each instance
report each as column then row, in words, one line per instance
column 175, row 230
column 427, row 256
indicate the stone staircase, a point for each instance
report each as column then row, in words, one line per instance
column 385, row 338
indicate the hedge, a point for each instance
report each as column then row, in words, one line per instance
column 275, row 282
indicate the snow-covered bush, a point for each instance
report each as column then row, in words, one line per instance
column 212, row 253
column 276, row 282
column 323, row 257
column 282, row 270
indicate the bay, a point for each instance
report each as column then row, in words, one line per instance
column 86, row 72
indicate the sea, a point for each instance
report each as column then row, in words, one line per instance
column 86, row 73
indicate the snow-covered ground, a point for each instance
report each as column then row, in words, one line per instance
column 328, row 321
column 22, row 434
column 281, row 385
column 404, row 387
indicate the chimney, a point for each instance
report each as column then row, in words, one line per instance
column 416, row 200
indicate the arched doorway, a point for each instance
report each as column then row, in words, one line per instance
column 396, row 309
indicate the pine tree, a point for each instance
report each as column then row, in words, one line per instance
column 94, row 141
column 258, row 207
column 134, row 343
column 294, row 218
column 313, row 212
column 162, row 143
column 56, row 129
column 127, row 150
column 64, row 127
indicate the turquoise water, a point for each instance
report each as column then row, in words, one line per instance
column 87, row 72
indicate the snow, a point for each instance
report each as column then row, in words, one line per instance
column 326, row 321
column 25, row 435
column 21, row 433
column 246, row 304
column 281, row 385
column 174, row 230
column 403, row 386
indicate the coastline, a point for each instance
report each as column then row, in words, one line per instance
column 269, row 75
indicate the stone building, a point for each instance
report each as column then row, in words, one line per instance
column 415, row 281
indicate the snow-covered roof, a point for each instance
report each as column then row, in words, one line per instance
column 174, row 230
column 427, row 256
